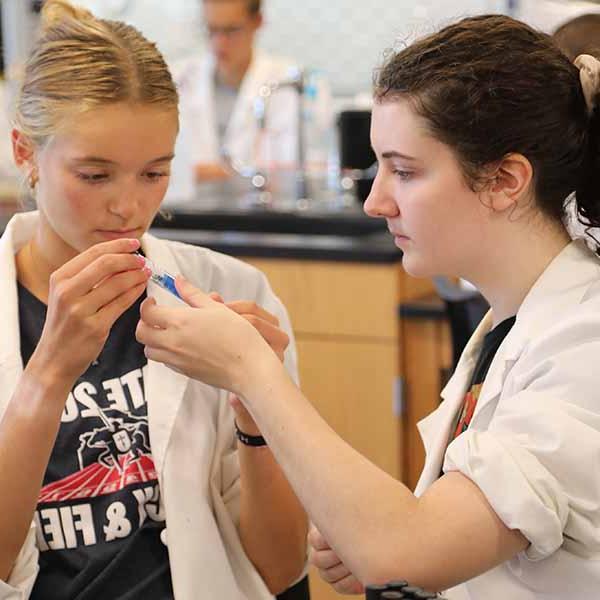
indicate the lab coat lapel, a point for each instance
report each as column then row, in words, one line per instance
column 435, row 428
column 242, row 128
column 533, row 316
column 164, row 388
column 18, row 231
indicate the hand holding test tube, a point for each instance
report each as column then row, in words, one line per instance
column 161, row 277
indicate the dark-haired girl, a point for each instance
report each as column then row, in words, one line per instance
column 482, row 130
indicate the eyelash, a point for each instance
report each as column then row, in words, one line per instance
column 99, row 178
column 403, row 175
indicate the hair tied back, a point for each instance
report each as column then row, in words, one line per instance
column 55, row 12
column 589, row 74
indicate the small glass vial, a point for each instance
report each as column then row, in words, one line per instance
column 161, row 277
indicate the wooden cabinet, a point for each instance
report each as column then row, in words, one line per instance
column 346, row 328
column 427, row 358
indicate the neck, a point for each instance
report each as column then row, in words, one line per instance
column 233, row 77
column 39, row 258
column 518, row 259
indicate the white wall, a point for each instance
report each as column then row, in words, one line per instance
column 548, row 15
column 344, row 38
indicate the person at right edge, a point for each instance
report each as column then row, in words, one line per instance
column 482, row 130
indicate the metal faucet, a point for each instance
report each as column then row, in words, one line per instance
column 297, row 81
column 257, row 178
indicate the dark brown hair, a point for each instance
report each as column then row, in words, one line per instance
column 580, row 35
column 488, row 86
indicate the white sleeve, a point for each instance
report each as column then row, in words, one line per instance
column 538, row 464
column 23, row 575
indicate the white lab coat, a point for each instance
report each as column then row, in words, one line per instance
column 533, row 445
column 190, row 424
column 198, row 136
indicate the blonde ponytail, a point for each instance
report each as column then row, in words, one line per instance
column 57, row 11
column 79, row 62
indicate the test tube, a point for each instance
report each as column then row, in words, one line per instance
column 161, row 277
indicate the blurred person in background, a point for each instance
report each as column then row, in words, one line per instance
column 580, row 35
column 218, row 93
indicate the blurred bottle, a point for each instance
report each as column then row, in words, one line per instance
column 319, row 140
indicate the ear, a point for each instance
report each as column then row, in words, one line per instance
column 23, row 149
column 258, row 21
column 510, row 182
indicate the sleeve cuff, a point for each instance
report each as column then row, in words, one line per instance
column 522, row 492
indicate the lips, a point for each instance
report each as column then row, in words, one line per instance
column 118, row 233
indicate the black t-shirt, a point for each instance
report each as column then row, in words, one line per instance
column 490, row 346
column 98, row 516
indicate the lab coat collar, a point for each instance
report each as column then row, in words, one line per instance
column 565, row 279
column 17, row 233
column 435, row 428
column 258, row 74
column 164, row 388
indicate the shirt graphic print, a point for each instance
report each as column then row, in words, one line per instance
column 99, row 515
column 491, row 342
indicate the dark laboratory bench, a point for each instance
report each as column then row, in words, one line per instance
column 319, row 232
column 345, row 235
column 352, row 262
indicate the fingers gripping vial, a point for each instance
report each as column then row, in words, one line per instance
column 161, row 277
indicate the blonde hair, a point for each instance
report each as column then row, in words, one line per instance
column 80, row 62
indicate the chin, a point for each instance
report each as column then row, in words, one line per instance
column 416, row 267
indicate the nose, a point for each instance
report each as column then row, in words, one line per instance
column 125, row 201
column 381, row 202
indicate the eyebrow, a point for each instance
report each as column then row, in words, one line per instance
column 395, row 154
column 104, row 161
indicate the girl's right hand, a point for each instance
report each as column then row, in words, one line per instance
column 86, row 296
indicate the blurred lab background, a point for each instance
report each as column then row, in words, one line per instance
column 375, row 345
column 337, row 41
